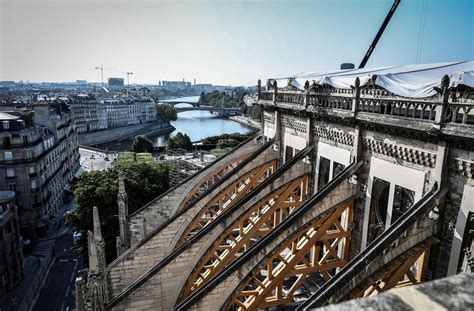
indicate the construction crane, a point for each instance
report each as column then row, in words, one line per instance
column 379, row 33
column 101, row 68
column 128, row 77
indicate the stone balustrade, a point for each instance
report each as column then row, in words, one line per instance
column 436, row 109
column 416, row 109
column 462, row 113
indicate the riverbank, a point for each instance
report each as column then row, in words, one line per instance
column 120, row 134
column 247, row 121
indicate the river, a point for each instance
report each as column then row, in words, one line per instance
column 200, row 124
column 196, row 124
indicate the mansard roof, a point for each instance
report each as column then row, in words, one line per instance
column 417, row 81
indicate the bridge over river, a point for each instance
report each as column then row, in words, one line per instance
column 192, row 101
column 223, row 112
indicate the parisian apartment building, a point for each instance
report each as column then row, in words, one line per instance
column 39, row 157
column 11, row 254
column 94, row 114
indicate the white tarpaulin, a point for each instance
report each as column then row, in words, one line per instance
column 409, row 81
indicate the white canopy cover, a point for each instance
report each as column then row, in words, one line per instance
column 415, row 81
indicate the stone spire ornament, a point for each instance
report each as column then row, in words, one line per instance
column 96, row 284
column 123, row 241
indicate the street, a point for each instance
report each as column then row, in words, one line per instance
column 93, row 160
column 58, row 292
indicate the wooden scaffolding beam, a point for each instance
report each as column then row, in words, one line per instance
column 211, row 178
column 405, row 270
column 256, row 222
column 321, row 248
column 227, row 198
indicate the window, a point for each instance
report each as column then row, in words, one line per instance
column 288, row 153
column 378, row 208
column 6, row 125
column 34, row 184
column 6, row 142
column 10, row 172
column 32, row 169
column 403, row 199
column 8, row 156
column 12, row 187
column 25, row 140
column 324, row 170
column 337, row 168
column 27, row 154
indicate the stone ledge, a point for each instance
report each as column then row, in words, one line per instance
column 451, row 293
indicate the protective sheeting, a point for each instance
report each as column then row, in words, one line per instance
column 415, row 81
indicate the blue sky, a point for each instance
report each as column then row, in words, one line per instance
column 221, row 42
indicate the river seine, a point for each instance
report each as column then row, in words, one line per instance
column 196, row 124
column 201, row 124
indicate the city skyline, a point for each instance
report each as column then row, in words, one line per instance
column 221, row 43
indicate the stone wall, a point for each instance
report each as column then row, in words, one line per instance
column 457, row 177
column 125, row 132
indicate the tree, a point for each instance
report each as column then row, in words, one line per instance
column 226, row 143
column 255, row 112
column 238, row 137
column 203, row 98
column 166, row 112
column 142, row 144
column 180, row 141
column 144, row 181
column 243, row 108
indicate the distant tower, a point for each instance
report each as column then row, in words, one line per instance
column 123, row 241
column 194, row 81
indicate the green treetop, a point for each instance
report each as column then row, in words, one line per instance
column 144, row 181
column 166, row 112
column 180, row 141
column 142, row 144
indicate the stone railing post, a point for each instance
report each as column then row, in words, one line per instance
column 259, row 88
column 356, row 152
column 356, row 97
column 122, row 202
column 441, row 109
column 275, row 87
column 306, row 94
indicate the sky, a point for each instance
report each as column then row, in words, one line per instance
column 224, row 42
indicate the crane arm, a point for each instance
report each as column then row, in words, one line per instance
column 379, row 33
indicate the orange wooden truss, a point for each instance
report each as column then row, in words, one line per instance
column 211, row 178
column 227, row 198
column 257, row 221
column 314, row 252
column 405, row 270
